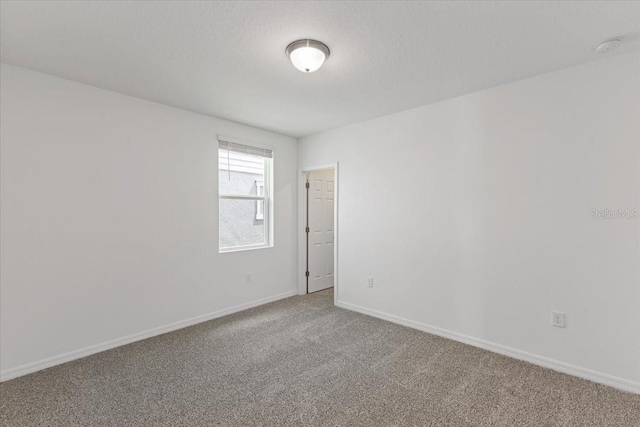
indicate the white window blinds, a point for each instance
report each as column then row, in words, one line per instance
column 245, row 149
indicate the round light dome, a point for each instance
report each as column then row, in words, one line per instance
column 307, row 55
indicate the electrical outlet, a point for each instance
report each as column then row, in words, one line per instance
column 370, row 282
column 558, row 319
column 247, row 278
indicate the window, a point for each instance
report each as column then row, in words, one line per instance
column 245, row 176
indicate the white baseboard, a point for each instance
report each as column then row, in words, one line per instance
column 97, row 348
column 556, row 365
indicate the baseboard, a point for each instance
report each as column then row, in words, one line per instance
column 29, row 368
column 556, row 365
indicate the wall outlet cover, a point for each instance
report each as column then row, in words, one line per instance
column 558, row 319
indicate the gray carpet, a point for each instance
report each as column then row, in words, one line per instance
column 302, row 361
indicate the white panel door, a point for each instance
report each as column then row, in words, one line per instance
column 321, row 201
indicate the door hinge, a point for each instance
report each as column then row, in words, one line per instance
column 306, row 230
column 307, row 185
column 306, row 273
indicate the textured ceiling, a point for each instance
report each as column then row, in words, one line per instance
column 227, row 59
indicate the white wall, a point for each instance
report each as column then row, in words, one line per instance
column 473, row 215
column 110, row 219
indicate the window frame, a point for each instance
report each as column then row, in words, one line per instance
column 266, row 197
column 260, row 215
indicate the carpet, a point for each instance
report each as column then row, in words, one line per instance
column 304, row 362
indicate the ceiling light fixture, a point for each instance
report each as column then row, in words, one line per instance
column 307, row 55
column 608, row 45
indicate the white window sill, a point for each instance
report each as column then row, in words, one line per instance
column 243, row 248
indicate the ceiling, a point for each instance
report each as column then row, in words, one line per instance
column 227, row 59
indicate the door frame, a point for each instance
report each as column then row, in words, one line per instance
column 302, row 216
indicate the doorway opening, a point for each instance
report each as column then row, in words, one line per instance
column 319, row 225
